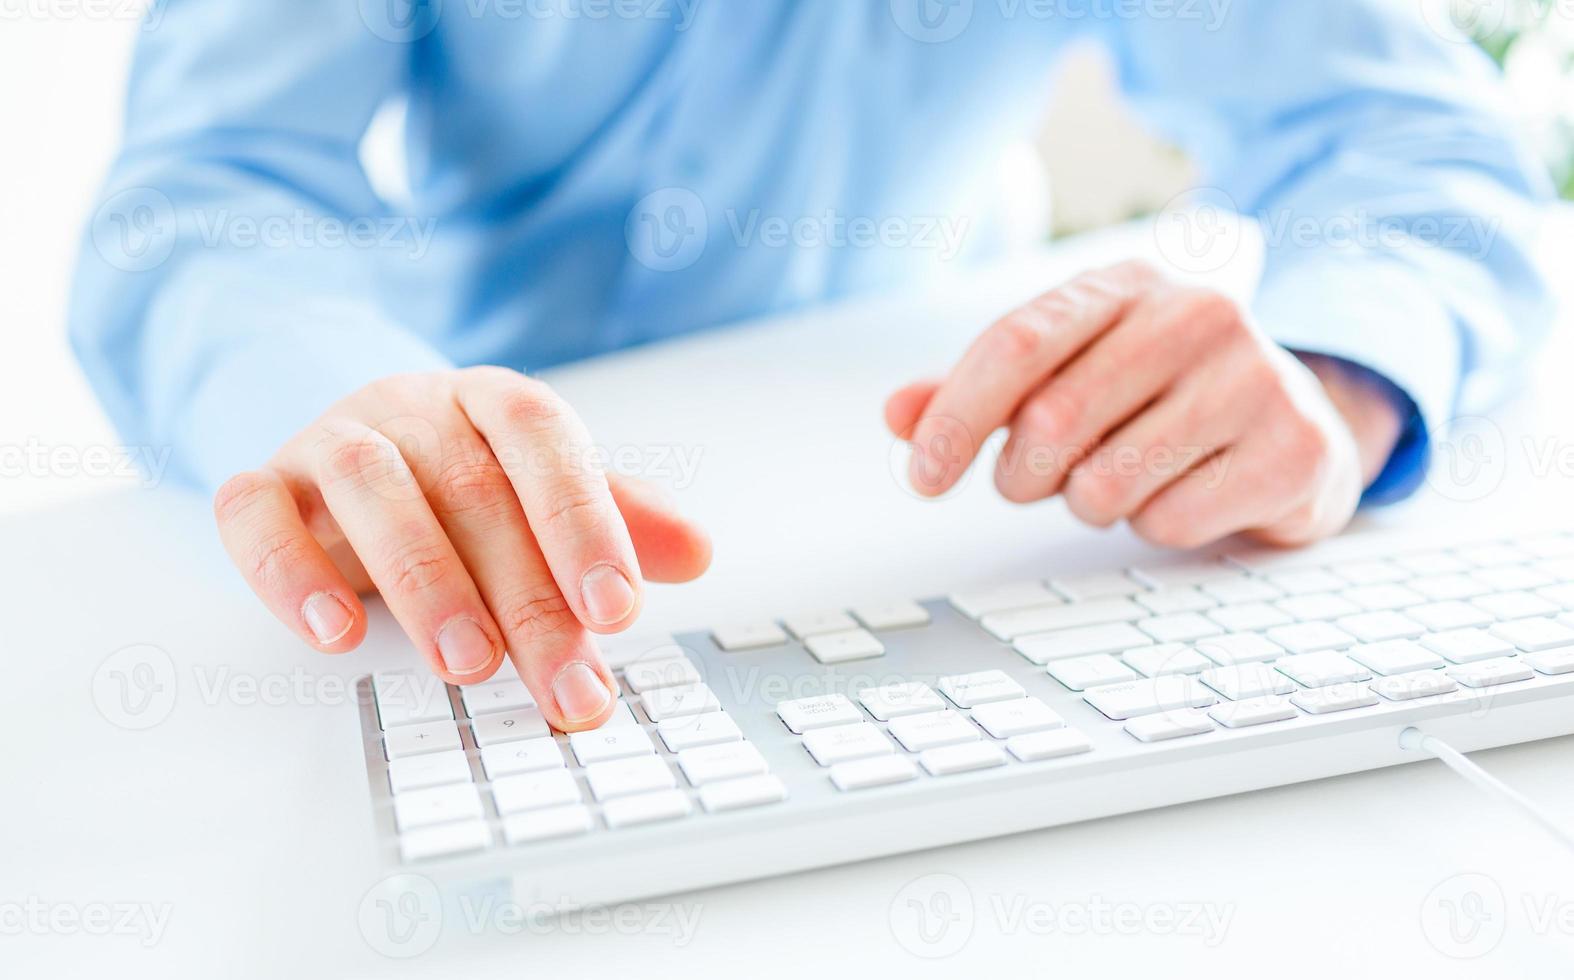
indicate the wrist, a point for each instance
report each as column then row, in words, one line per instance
column 1368, row 404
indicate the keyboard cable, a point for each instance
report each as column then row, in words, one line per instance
column 1415, row 740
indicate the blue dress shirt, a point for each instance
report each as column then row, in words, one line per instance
column 586, row 175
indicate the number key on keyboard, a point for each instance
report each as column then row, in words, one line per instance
column 530, row 791
column 622, row 777
column 1056, row 744
column 835, row 648
column 844, row 743
column 610, row 742
column 552, row 822
column 530, row 755
column 1003, row 719
column 1169, row 724
column 506, row 726
column 692, row 731
column 1081, row 673
column 919, row 732
column 969, row 690
column 628, row 811
column 428, row 769
column 866, row 773
column 961, row 758
column 734, row 794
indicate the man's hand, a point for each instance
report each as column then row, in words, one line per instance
column 468, row 499
column 1140, row 399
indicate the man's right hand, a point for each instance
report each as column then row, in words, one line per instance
column 470, row 500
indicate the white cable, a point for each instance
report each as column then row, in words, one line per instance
column 1415, row 739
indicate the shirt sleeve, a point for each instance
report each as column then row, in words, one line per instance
column 1397, row 206
column 226, row 289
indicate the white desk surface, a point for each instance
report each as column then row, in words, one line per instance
column 231, row 816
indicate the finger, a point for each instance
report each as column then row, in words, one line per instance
column 1011, row 358
column 904, row 408
column 547, row 454
column 553, row 653
column 262, row 530
column 1166, row 335
column 671, row 548
column 1192, row 422
column 369, row 489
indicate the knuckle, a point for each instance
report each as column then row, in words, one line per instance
column 1023, row 332
column 239, row 495
column 525, row 619
column 472, row 485
column 350, row 459
column 531, row 405
column 573, row 510
column 1095, row 499
column 270, row 561
column 416, row 568
column 1136, row 270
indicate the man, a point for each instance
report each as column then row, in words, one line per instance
column 591, row 173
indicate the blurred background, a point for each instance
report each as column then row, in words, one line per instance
column 63, row 65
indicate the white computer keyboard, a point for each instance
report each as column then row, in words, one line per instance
column 756, row 748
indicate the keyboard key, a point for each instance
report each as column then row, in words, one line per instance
column 1317, row 607
column 531, row 755
column 1306, row 581
column 1047, row 619
column 629, row 811
column 1167, row 601
column 692, row 731
column 900, row 615
column 835, row 648
column 508, row 726
column 428, row 769
column 1439, row 587
column 437, row 804
column 506, row 695
column 1179, row 628
column 1181, row 574
column 1448, row 615
column 1097, row 585
column 1056, row 744
column 1247, row 681
column 919, row 732
column 678, row 702
column 1490, row 555
column 1232, row 592
column 622, row 777
column 1562, row 594
column 748, row 636
column 1018, row 595
column 1490, row 673
column 1338, row 697
column 843, row 743
column 531, row 791
column 1377, row 598
column 1534, row 635
column 1040, row 648
column 444, row 839
column 882, row 771
column 1420, row 684
column 650, row 675
column 1168, row 725
column 895, row 700
column 1430, row 563
column 1513, row 578
column 607, row 743
column 729, row 760
column 1310, row 637
column 1322, row 669
column 1081, row 673
column 1249, row 617
column 1467, row 645
column 961, row 758
column 805, row 714
column 1369, row 572
column 1548, row 545
column 1164, row 659
column 1559, row 661
column 1003, row 719
column 1516, row 605
column 547, row 824
column 407, row 697
column 980, row 687
column 428, row 736
column 735, row 794
column 1119, row 702
column 1374, row 627
column 806, row 625
column 1253, row 711
column 623, row 649
column 1243, row 648
column 1395, row 657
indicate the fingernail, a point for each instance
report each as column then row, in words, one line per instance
column 607, row 594
column 327, row 617
column 464, row 646
column 579, row 692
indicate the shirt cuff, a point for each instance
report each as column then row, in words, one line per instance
column 1373, row 313
column 261, row 392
